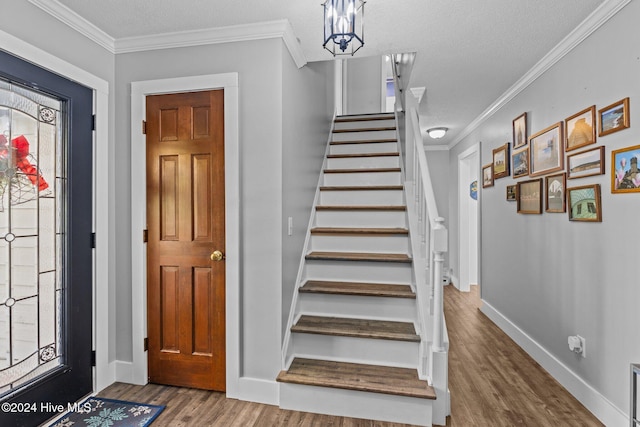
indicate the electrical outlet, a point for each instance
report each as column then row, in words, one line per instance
column 578, row 345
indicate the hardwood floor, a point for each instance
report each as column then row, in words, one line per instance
column 492, row 381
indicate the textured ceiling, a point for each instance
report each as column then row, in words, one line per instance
column 468, row 52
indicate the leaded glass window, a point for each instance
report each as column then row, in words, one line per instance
column 32, row 185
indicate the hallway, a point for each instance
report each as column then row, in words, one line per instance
column 492, row 382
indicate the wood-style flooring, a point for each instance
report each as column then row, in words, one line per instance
column 492, row 382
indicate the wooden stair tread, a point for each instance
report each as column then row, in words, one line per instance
column 361, row 208
column 355, row 155
column 360, row 187
column 380, row 129
column 362, row 170
column 360, row 230
column 359, row 377
column 363, row 118
column 358, row 328
column 355, row 256
column 358, row 288
column 363, row 141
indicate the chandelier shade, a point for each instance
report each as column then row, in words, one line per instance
column 343, row 26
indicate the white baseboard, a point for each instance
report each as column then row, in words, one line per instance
column 594, row 401
column 257, row 390
column 125, row 373
column 454, row 281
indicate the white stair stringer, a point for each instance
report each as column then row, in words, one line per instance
column 358, row 236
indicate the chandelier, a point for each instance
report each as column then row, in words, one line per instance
column 343, row 24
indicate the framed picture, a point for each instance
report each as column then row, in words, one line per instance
column 530, row 196
column 555, row 196
column 584, row 203
column 586, row 163
column 614, row 117
column 580, row 129
column 487, row 175
column 520, row 131
column 501, row 161
column 625, row 175
column 546, row 151
column 520, row 162
column 512, row 193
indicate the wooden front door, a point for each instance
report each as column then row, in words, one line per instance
column 186, row 224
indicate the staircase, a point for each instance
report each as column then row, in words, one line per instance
column 354, row 343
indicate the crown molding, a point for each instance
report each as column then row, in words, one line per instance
column 77, row 22
column 259, row 31
column 591, row 23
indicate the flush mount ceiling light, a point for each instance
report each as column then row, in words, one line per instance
column 343, row 24
column 437, row 133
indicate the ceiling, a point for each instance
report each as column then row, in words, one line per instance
column 468, row 52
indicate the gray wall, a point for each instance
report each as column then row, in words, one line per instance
column 307, row 110
column 364, row 85
column 554, row 278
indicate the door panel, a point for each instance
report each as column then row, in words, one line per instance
column 185, row 219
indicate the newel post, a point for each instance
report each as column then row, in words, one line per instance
column 440, row 246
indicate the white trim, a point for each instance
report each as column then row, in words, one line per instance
column 257, row 390
column 77, row 22
column 464, row 284
column 104, row 373
column 598, row 17
column 595, row 402
column 139, row 90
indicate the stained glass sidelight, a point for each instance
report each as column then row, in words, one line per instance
column 32, row 177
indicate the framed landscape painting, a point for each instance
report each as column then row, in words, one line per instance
column 625, row 175
column 555, row 195
column 520, row 162
column 584, row 203
column 546, row 151
column 586, row 163
column 614, row 117
column 530, row 196
column 520, row 131
column 512, row 193
column 501, row 161
column 487, row 175
column 580, row 129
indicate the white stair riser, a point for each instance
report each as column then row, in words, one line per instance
column 356, row 404
column 355, row 350
column 385, row 115
column 373, row 147
column 365, row 124
column 360, row 271
column 360, row 218
column 363, row 162
column 368, row 307
column 364, row 136
column 362, row 178
column 362, row 197
column 396, row 244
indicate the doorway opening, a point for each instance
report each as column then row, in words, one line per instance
column 468, row 218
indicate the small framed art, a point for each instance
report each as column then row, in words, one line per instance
column 501, row 161
column 555, row 196
column 625, row 175
column 530, row 196
column 546, row 151
column 584, row 203
column 586, row 163
column 580, row 129
column 520, row 131
column 520, row 162
column 614, row 117
column 512, row 193
column 487, row 175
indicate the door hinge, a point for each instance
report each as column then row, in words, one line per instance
column 93, row 122
column 93, row 240
column 145, row 236
column 144, row 127
column 146, row 344
column 93, row 358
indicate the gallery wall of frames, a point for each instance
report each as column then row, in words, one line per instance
column 549, row 168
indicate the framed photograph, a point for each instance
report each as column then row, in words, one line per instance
column 501, row 161
column 512, row 193
column 614, row 117
column 625, row 175
column 555, row 196
column 584, row 203
column 546, row 151
column 586, row 163
column 580, row 129
column 520, row 162
column 520, row 131
column 487, row 175
column 530, row 196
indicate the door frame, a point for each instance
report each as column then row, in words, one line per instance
column 468, row 163
column 104, row 371
column 137, row 371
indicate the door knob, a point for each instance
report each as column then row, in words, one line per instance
column 217, row 256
